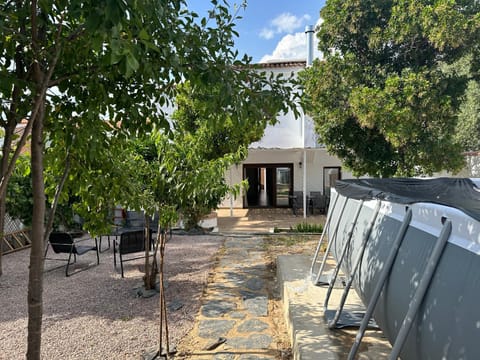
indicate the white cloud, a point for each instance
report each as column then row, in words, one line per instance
column 289, row 47
column 287, row 23
column 292, row 47
column 267, row 33
column 283, row 23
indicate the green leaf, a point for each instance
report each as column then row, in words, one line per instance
column 132, row 64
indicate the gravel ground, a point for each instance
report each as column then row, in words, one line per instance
column 95, row 314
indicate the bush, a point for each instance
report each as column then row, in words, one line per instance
column 308, row 228
column 19, row 197
column 301, row 228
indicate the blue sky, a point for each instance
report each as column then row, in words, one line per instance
column 271, row 29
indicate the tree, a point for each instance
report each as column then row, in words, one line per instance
column 87, row 53
column 86, row 75
column 467, row 131
column 222, row 132
column 206, row 144
column 19, row 198
column 380, row 99
column 468, row 127
column 192, row 183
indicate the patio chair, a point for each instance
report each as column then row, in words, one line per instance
column 63, row 243
column 297, row 201
column 318, row 202
column 130, row 242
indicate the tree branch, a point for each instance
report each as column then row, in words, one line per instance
column 39, row 103
column 56, row 199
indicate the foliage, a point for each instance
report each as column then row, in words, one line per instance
column 205, row 144
column 302, row 228
column 220, row 132
column 187, row 180
column 97, row 152
column 467, row 131
column 113, row 68
column 307, row 228
column 19, row 199
column 89, row 75
column 96, row 181
column 468, row 128
column 380, row 99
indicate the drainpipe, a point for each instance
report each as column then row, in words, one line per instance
column 309, row 31
column 231, row 195
column 305, row 205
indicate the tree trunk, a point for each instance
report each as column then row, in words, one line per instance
column 9, row 128
column 154, row 266
column 7, row 165
column 35, row 277
column 147, row 282
column 56, row 198
column 2, row 229
column 163, row 307
column 3, row 199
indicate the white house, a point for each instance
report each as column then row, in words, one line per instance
column 287, row 164
column 288, row 167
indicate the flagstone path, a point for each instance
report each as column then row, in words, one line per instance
column 236, row 320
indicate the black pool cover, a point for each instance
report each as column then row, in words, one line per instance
column 460, row 193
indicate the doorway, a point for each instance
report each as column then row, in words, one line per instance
column 269, row 185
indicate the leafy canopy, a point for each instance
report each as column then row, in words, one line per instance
column 380, row 99
column 89, row 75
column 120, row 67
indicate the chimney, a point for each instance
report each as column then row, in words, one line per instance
column 309, row 31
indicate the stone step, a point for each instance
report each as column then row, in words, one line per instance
column 303, row 310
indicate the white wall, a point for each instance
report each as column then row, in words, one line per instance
column 289, row 130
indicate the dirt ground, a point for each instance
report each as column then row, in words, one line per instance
column 281, row 245
column 97, row 314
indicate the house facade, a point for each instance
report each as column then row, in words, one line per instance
column 288, row 165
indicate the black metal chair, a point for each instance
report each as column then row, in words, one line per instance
column 62, row 242
column 297, row 201
column 319, row 202
column 129, row 242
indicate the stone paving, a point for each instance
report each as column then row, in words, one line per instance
column 234, row 321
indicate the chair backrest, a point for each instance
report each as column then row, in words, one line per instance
column 61, row 242
column 132, row 241
column 298, row 198
column 135, row 219
column 318, row 199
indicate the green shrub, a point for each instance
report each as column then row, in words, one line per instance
column 308, row 228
